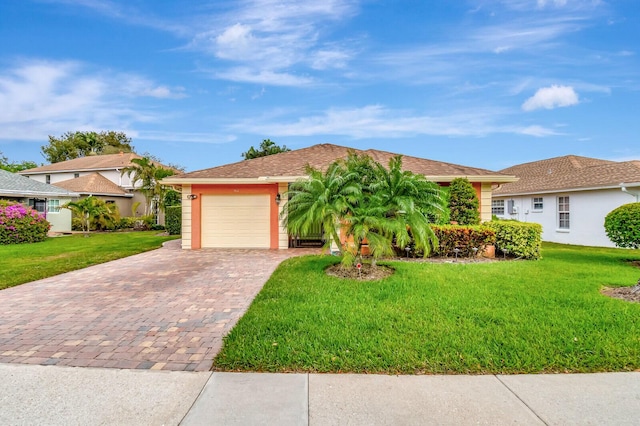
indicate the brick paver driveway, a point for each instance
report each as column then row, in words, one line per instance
column 167, row 309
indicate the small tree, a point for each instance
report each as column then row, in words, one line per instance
column 93, row 212
column 267, row 147
column 622, row 226
column 463, row 202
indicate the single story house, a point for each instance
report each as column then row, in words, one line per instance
column 239, row 205
column 46, row 199
column 569, row 196
column 96, row 175
column 96, row 185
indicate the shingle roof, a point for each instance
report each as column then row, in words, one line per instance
column 293, row 163
column 568, row 172
column 93, row 183
column 14, row 185
column 92, row 162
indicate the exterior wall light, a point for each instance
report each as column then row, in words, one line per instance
column 278, row 198
column 192, row 196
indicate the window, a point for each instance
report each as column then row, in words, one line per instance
column 54, row 206
column 76, row 175
column 497, row 207
column 47, row 178
column 563, row 213
column 537, row 204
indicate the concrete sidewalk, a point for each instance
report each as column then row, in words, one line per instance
column 32, row 394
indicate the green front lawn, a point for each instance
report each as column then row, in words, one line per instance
column 21, row 263
column 502, row 317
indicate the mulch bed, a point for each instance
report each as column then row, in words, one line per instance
column 630, row 294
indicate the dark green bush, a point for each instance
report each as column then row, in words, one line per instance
column 173, row 219
column 464, row 238
column 20, row 224
column 463, row 202
column 622, row 226
column 518, row 239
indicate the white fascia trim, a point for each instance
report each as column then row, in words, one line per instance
column 11, row 193
column 562, row 191
column 203, row 181
column 51, row 172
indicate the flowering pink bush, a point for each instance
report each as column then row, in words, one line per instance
column 20, row 224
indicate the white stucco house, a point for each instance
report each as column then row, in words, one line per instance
column 100, row 176
column 569, row 196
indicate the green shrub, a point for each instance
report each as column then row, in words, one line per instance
column 127, row 222
column 464, row 238
column 173, row 219
column 518, row 239
column 622, row 226
column 463, row 202
column 20, row 224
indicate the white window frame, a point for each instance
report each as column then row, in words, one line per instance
column 537, row 206
column 53, row 206
column 564, row 213
column 497, row 205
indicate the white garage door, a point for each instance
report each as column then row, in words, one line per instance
column 236, row 221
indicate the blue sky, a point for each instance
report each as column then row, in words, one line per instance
column 484, row 83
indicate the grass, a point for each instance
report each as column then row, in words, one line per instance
column 502, row 317
column 21, row 263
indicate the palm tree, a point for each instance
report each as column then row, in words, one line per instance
column 321, row 199
column 146, row 173
column 90, row 209
column 411, row 201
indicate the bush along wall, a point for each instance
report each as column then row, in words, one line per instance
column 518, row 239
column 173, row 219
column 464, row 238
column 622, row 226
column 20, row 224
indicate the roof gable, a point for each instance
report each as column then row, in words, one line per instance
column 293, row 164
column 93, row 183
column 568, row 172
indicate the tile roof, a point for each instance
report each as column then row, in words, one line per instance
column 93, row 183
column 91, row 162
column 293, row 163
column 568, row 172
column 14, row 185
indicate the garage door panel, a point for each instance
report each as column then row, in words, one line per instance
column 236, row 221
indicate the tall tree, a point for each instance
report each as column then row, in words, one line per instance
column 463, row 202
column 267, row 147
column 14, row 167
column 80, row 144
column 146, row 175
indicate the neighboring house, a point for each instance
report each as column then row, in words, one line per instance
column 569, row 196
column 238, row 205
column 96, row 185
column 46, row 199
column 97, row 175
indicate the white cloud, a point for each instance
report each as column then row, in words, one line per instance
column 41, row 98
column 551, row 97
column 272, row 37
column 538, row 131
column 376, row 121
column 265, row 77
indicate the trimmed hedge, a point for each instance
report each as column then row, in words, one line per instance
column 622, row 226
column 173, row 219
column 20, row 224
column 465, row 238
column 519, row 239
